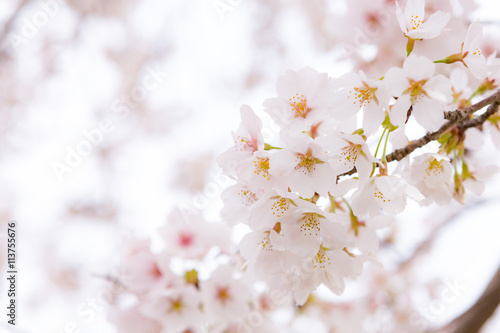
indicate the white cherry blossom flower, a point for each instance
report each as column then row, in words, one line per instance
column 267, row 257
column 190, row 236
column 141, row 268
column 254, row 172
column 272, row 208
column 225, row 299
column 493, row 126
column 416, row 85
column 308, row 227
column 237, row 200
column 432, row 175
column 477, row 176
column 383, row 192
column 247, row 140
column 363, row 232
column 304, row 98
column 470, row 53
column 177, row 309
column 413, row 23
column 360, row 93
column 460, row 87
column 472, row 57
column 474, row 139
column 348, row 151
column 493, row 63
column 287, row 255
column 329, row 267
column 302, row 168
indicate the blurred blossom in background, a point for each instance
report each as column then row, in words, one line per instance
column 113, row 112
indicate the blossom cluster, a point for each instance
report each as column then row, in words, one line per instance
column 190, row 283
column 315, row 196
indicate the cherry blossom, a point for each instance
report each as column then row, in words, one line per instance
column 348, row 151
column 493, row 125
column 309, row 227
column 254, row 172
column 470, row 52
column 364, row 231
column 247, row 140
column 271, row 208
column 190, row 236
column 310, row 207
column 416, row 86
column 142, row 269
column 304, row 98
column 176, row 309
column 331, row 267
column 237, row 200
column 474, row 139
column 226, row 299
column 360, row 93
column 302, row 168
column 460, row 87
column 267, row 257
column 413, row 24
column 328, row 267
column 383, row 192
column 474, row 179
column 432, row 175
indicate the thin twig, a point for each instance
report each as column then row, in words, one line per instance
column 468, row 123
column 465, row 112
column 113, row 279
column 453, row 116
column 399, row 154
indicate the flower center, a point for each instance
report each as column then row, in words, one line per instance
column 434, row 168
column 299, row 105
column 266, row 242
column 362, row 95
column 223, row 294
column 185, row 239
column 379, row 195
column 349, row 155
column 320, row 260
column 175, row 305
column 310, row 224
column 244, row 144
column 416, row 91
column 280, row 206
column 415, row 22
column 306, row 163
column 247, row 197
column 262, row 167
column 155, row 271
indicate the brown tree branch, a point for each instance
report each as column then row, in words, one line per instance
column 399, row 154
column 453, row 116
column 476, row 316
column 465, row 112
column 478, row 121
